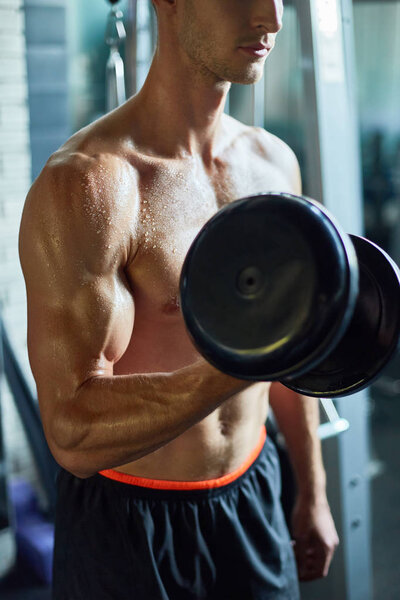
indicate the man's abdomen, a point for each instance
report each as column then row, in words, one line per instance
column 216, row 446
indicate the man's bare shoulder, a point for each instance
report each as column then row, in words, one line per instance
column 77, row 178
column 263, row 144
column 278, row 154
column 94, row 195
column 94, row 157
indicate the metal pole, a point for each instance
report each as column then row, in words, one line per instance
column 115, row 75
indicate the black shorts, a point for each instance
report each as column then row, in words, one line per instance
column 226, row 539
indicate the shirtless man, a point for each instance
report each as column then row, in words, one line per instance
column 168, row 488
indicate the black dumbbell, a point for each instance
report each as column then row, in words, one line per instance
column 272, row 289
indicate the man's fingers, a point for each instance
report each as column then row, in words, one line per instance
column 313, row 569
column 313, row 558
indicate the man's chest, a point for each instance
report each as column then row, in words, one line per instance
column 174, row 205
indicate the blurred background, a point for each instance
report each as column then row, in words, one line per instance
column 53, row 58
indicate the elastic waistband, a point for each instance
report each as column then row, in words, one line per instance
column 162, row 484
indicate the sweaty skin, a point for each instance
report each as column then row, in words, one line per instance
column 104, row 233
column 139, row 214
column 181, row 196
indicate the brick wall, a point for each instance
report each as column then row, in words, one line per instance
column 15, row 179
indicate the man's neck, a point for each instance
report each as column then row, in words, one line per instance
column 181, row 108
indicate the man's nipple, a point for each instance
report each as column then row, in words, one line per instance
column 172, row 306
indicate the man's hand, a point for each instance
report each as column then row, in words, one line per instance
column 315, row 537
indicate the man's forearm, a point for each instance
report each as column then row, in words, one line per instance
column 115, row 420
column 298, row 419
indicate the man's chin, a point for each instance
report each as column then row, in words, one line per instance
column 246, row 76
column 248, row 79
column 252, row 80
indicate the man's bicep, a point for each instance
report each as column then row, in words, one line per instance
column 77, row 334
column 80, row 306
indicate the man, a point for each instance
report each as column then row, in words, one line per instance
column 168, row 489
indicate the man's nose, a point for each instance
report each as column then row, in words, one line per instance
column 267, row 14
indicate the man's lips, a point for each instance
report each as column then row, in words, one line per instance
column 256, row 49
column 258, row 46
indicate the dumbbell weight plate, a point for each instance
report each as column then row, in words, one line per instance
column 372, row 337
column 269, row 286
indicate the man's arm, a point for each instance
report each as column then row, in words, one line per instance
column 77, row 236
column 298, row 419
column 313, row 528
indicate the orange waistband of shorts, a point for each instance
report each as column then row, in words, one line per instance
column 162, row 484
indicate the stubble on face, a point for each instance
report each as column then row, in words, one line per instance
column 213, row 51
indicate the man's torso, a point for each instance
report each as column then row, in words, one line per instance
column 176, row 197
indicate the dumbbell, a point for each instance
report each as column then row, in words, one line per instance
column 272, row 289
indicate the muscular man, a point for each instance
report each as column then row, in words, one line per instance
column 168, row 488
